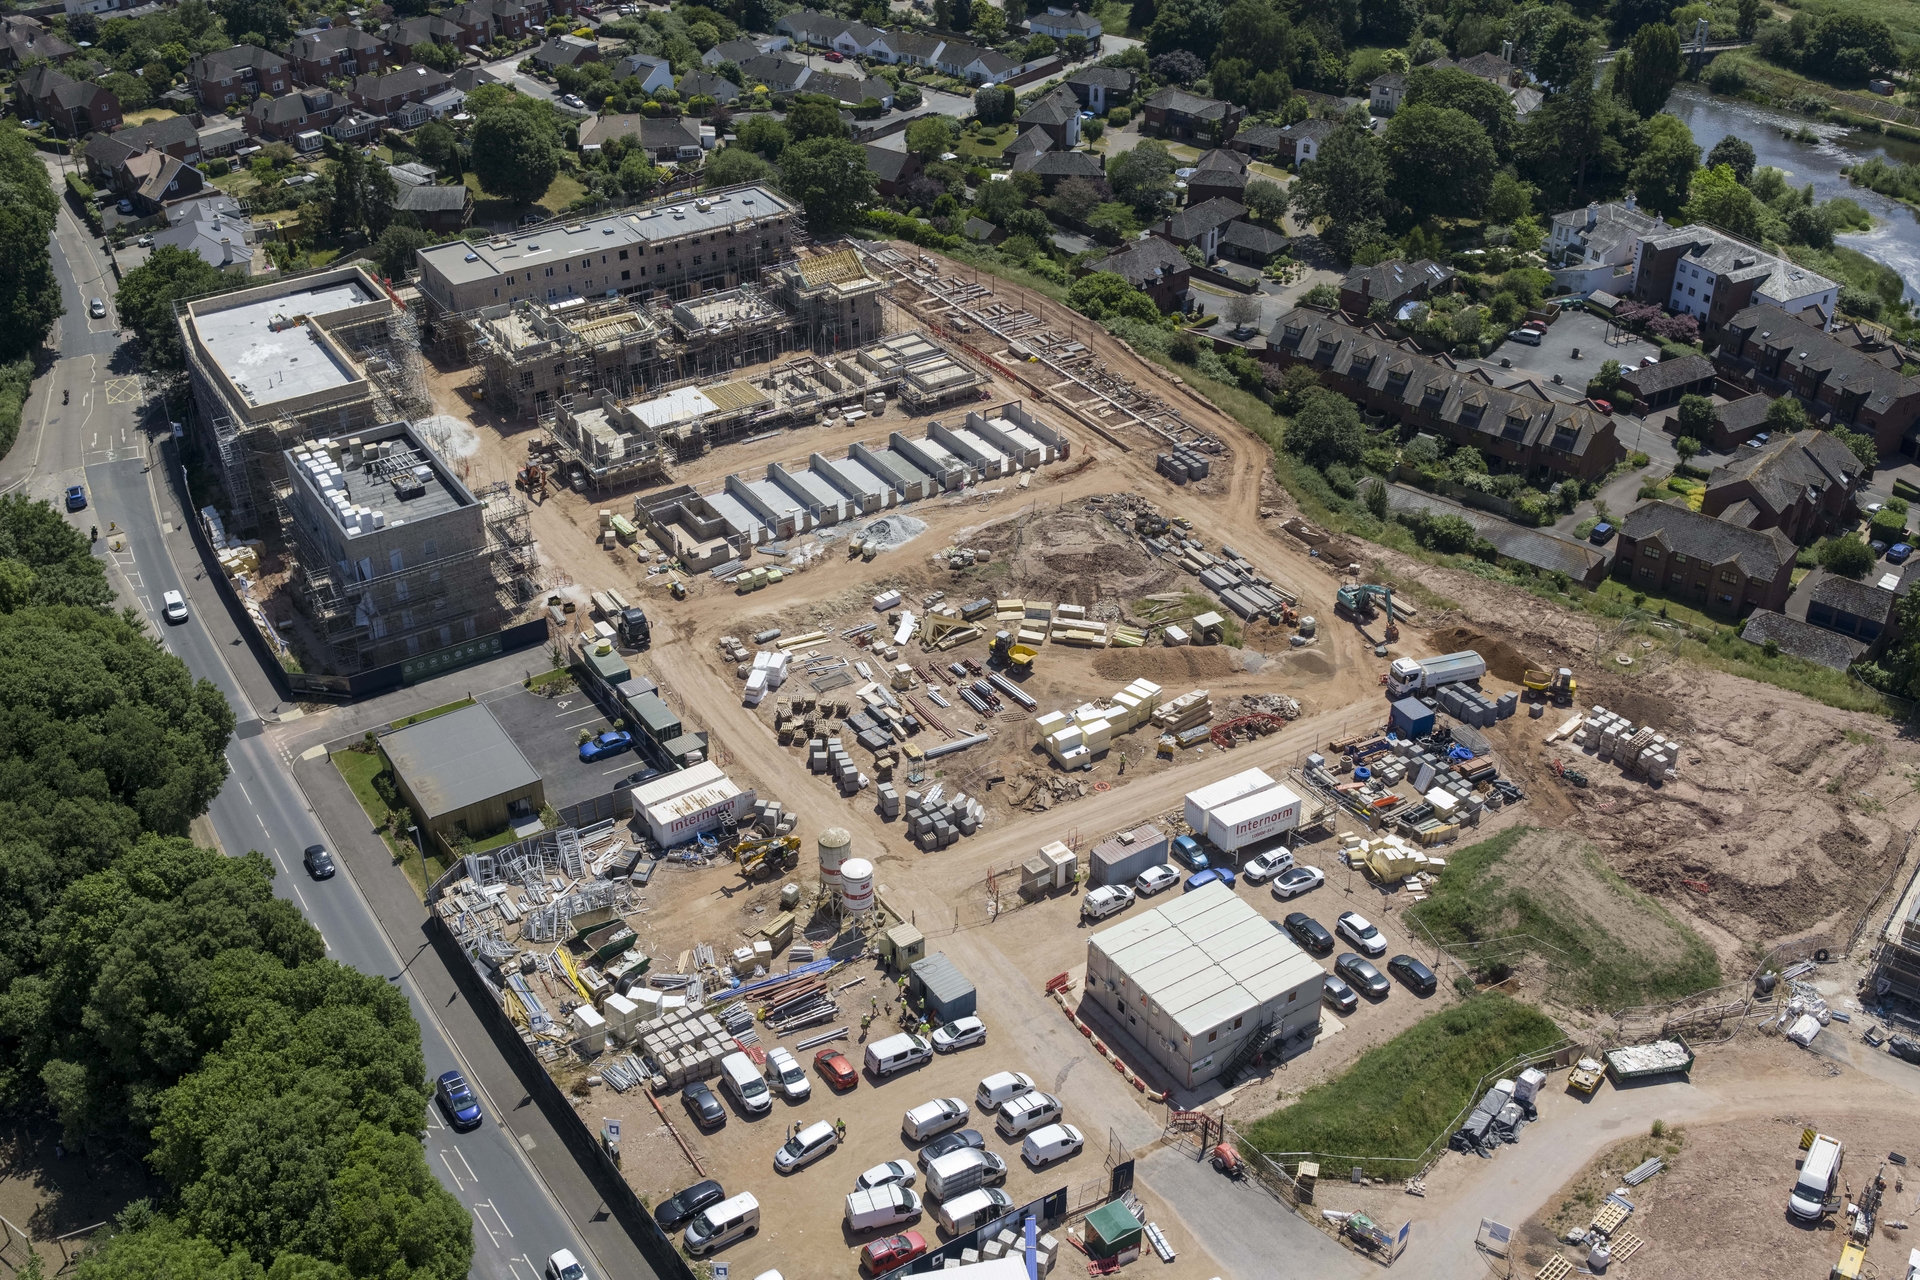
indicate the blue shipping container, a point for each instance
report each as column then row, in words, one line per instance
column 1411, row 718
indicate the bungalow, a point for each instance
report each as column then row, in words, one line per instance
column 72, row 107
column 705, row 84
column 1699, row 560
column 892, row 170
column 738, row 51
column 1101, row 88
column 1154, row 267
column 444, row 210
column 1202, row 225
column 977, row 66
column 1055, row 167
column 282, row 119
column 237, row 75
column 915, row 49
column 1064, row 23
column 1393, row 282
column 663, row 139
column 321, row 57
column 25, row 39
column 388, row 94
column 1252, row 244
column 652, row 71
column 572, row 51
column 806, row 26
column 851, row 90
column 1057, row 113
column 1803, row 485
column 781, row 73
column 1179, row 116
column 1218, row 173
column 1300, row 141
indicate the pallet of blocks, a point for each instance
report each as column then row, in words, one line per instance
column 1184, row 712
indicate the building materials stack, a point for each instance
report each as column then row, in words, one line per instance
column 1389, row 859
column 684, row 1045
column 1642, row 751
column 1073, row 739
column 1183, row 464
column 1470, row 706
column 936, row 822
column 1183, row 722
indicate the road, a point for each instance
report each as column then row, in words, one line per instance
column 98, row 439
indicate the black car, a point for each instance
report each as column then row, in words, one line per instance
column 677, row 1208
column 1901, row 1047
column 948, row 1143
column 319, row 862
column 1362, row 975
column 1417, row 976
column 1309, row 933
column 704, row 1107
column 1339, row 995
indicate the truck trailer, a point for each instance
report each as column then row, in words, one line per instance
column 1409, row 675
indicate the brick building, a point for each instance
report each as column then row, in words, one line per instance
column 237, row 74
column 1842, row 382
column 1803, row 485
column 1702, row 561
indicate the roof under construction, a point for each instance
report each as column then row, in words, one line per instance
column 838, row 267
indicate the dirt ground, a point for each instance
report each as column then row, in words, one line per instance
column 47, row 1191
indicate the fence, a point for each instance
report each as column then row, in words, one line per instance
column 1048, row 1212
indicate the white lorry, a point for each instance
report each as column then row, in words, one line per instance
column 1409, row 675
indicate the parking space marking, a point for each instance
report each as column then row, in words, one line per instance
column 471, row 1175
column 484, row 1227
column 458, row 1182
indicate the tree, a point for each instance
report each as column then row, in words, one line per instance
column 1039, row 46
column 395, row 248
column 1846, row 555
column 1686, row 447
column 989, row 23
column 437, row 144
column 1629, row 16
column 1076, row 198
column 266, row 18
column 1566, row 53
column 1717, row 197
column 514, row 154
column 1374, row 494
column 1663, row 171
column 1346, row 186
column 441, row 57
column 1747, row 18
column 1143, row 177
column 1290, row 385
column 1103, row 296
column 1605, row 383
column 930, row 136
column 1451, row 87
column 1178, row 66
column 363, row 193
column 815, row 119
column 1441, row 161
column 733, row 165
column 1243, row 312
column 996, row 201
column 148, row 292
column 994, row 104
column 1695, row 417
column 1258, row 32
column 1509, row 199
column 1785, row 416
column 1647, row 71
column 1326, row 430
column 1577, row 136
column 1862, row 445
column 830, row 178
column 1189, row 25
column 763, row 134
column 1265, row 200
column 29, row 293
column 1735, row 153
column 1832, row 43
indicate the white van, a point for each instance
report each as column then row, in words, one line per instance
column 897, row 1053
column 803, row 1148
column 881, row 1207
column 1819, row 1174
column 783, row 1069
column 1001, row 1087
column 958, row 1172
column 739, row 1077
column 1055, row 1142
column 963, row 1213
column 720, row 1225
column 1027, row 1112
column 931, row 1118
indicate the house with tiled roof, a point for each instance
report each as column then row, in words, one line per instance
column 320, row 57
column 23, row 38
column 1517, row 427
column 237, row 75
column 978, row 66
column 392, row 93
column 1029, row 142
column 1493, row 69
column 1055, row 167
column 175, row 135
column 851, row 87
column 1841, row 383
column 781, row 73
column 1202, row 225
column 696, row 84
column 405, row 39
column 892, row 170
column 1152, row 266
column 71, row 107
column 1058, row 113
column 1394, row 282
column 663, row 138
column 571, row 51
column 1063, row 23
column 1102, row 88
column 1386, row 93
column 916, row 48
column 1665, row 549
column 1655, row 386
column 440, row 208
column 1218, row 173
column 1252, row 244
column 1858, row 610
column 1802, row 639
column 154, row 179
column 284, row 118
column 1803, row 485
column 748, row 46
column 1302, row 140
column 1180, row 116
column 652, row 71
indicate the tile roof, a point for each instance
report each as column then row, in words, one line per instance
column 1076, row 20
column 320, row 45
column 432, row 27
column 161, row 133
column 1192, row 223
column 1395, row 278
column 563, row 51
column 1732, row 259
column 28, row 39
column 1743, row 414
column 914, row 44
column 225, row 62
column 429, row 198
column 393, row 84
column 1113, row 78
column 1788, row 468
column 654, row 132
column 1668, row 374
column 1317, row 130
column 1254, row 238
column 1061, row 164
column 1057, row 107
column 1757, row 553
column 215, row 231
column 1219, row 158
column 1031, row 141
column 886, row 163
column 735, row 51
column 1261, row 136
column 1845, row 595
column 1802, row 639
column 979, row 229
column 719, row 88
column 780, row 74
column 1173, row 98
column 1810, row 349
column 288, row 108
column 1391, row 80
column 1142, row 262
column 1487, row 66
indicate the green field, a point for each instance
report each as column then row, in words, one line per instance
column 1602, row 944
column 1388, row 1107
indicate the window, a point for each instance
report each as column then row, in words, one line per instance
column 626, row 275
column 549, row 272
column 1678, row 558
column 623, row 255
column 1729, row 576
column 1646, row 572
column 431, row 548
column 1650, row 552
column 696, row 259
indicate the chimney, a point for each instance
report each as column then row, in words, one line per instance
column 1593, row 213
column 226, row 251
column 1628, row 200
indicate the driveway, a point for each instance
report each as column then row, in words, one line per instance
column 507, row 71
column 1241, row 1226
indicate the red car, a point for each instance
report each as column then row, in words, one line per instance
column 894, row 1251
column 834, row 57
column 837, row 1071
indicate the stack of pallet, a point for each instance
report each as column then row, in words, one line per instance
column 1184, row 712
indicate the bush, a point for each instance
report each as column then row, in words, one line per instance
column 1846, row 556
column 1119, row 117
column 1184, row 347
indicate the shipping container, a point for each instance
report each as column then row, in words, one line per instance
column 667, row 786
column 1121, row 859
column 1215, row 794
column 1410, row 718
column 1252, row 819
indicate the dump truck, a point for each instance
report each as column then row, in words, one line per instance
column 1559, row 684
column 1410, row 675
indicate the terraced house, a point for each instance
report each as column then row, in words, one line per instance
column 1517, row 427
column 1847, row 379
column 1668, row 550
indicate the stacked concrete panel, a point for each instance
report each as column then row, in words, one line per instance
column 1074, row 738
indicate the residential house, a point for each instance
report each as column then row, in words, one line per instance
column 1062, row 23
column 781, row 73
column 218, row 230
column 1518, row 428
column 1252, row 244
column 892, row 170
column 916, row 48
column 490, row 20
column 152, row 179
column 175, row 135
column 1301, row 141
column 447, row 102
column 1689, row 556
column 807, row 26
column 652, row 71
column 698, row 84
column 467, row 79
column 575, row 51
column 851, row 87
column 1102, row 88
column 220, row 136
column 23, row 38
column 282, row 119
column 404, row 39
column 1802, row 639
column 358, row 125
column 858, row 40
column 1032, row 142
column 975, row 65
column 1058, row 113
column 1713, row 276
column 1179, row 116
column 1202, row 225
column 1494, row 70
column 1841, row 383
column 441, row 209
column 1055, row 167
column 1734, row 423
column 1386, row 93
column 748, row 46
column 980, row 231
column 1154, row 267
column 661, row 138
column 1858, row 610
column 1263, row 141
column 1590, row 246
column 391, row 94
column 1217, row 174
column 72, row 108
column 1803, row 485
column 1395, row 283
column 321, row 57
column 1656, row 386
column 237, row 75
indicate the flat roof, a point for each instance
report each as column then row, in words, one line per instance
column 458, row 759
column 405, row 483
column 1261, row 958
column 267, row 358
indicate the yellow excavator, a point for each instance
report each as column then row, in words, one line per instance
column 759, row 854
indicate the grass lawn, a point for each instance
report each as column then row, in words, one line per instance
column 986, row 145
column 1265, row 170
column 504, row 838
column 431, row 713
column 149, row 115
column 1614, row 589
column 1607, row 945
column 546, row 678
column 359, row 769
column 1389, row 1106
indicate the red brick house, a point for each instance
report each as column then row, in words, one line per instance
column 237, row 75
column 405, row 38
column 383, row 95
column 282, row 119
column 72, row 107
column 1802, row 485
column 1179, row 116
column 1841, row 382
column 342, row 53
column 1689, row 556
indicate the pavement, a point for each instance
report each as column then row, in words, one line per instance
column 513, row 1173
column 1242, row 1226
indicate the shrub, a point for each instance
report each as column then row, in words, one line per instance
column 1119, row 117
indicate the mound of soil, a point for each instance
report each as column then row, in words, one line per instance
column 1076, row 557
column 1164, row 665
column 1503, row 659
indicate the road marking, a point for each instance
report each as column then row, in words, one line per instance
column 484, row 1227
column 313, row 753
column 241, row 785
column 503, row 1220
column 459, row 1184
column 263, row 825
column 617, row 768
column 471, row 1173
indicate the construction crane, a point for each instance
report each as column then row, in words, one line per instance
column 1356, row 598
column 767, row 853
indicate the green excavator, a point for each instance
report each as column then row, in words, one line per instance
column 1355, row 599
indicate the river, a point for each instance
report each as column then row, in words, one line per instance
column 1895, row 238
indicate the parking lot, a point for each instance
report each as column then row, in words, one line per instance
column 1574, row 330
column 547, row 731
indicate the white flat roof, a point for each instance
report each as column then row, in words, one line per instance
column 677, row 405
column 1195, row 989
column 268, row 365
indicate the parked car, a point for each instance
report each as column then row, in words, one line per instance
column 610, row 743
column 933, row 1118
column 76, row 498
column 948, row 1143
column 1356, row 928
column 1898, row 552
column 173, row 607
column 1871, row 508
column 1212, row 875
column 836, row 1070
column 1759, row 441
column 1187, row 852
column 1879, row 549
column 703, row 1105
column 97, row 308
column 1339, row 995
column 562, row 1265
column 1417, row 976
column 833, row 56
column 1309, row 933
column 572, row 100
column 783, row 1069
column 1054, row 1142
column 1027, row 1112
column 681, row 1205
column 462, row 1108
column 1298, row 880
column 319, row 862
column 803, row 1148
column 1362, row 975
column 1530, row 337
column 892, row 1173
column 1106, row 900
column 125, row 206
column 1000, row 1087
column 1264, row 867
column 1154, row 879
column 892, row 1252
column 961, row 1033
column 1602, row 534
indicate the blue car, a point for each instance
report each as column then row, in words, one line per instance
column 1602, row 534
column 1189, row 853
column 462, row 1108
column 76, row 498
column 1202, row 879
column 1898, row 552
column 610, row 743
